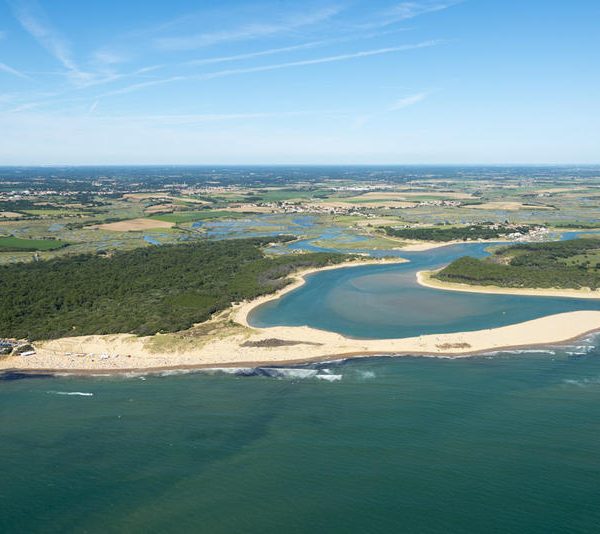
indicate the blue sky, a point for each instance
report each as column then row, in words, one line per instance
column 340, row 81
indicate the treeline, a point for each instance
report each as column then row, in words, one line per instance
column 562, row 264
column 462, row 233
column 144, row 291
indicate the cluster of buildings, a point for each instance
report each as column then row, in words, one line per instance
column 17, row 347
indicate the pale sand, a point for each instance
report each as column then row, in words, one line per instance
column 508, row 206
column 425, row 279
column 134, row 225
column 11, row 214
column 250, row 208
column 234, row 346
column 419, row 246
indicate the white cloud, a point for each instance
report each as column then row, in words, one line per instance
column 33, row 20
column 249, row 55
column 406, row 11
column 246, row 32
column 9, row 70
column 408, row 101
column 276, row 66
column 410, row 10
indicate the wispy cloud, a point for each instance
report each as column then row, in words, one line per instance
column 221, row 117
column 407, row 10
column 246, row 32
column 9, row 70
column 399, row 104
column 320, row 60
column 410, row 10
column 276, row 66
column 33, row 19
column 250, row 55
column 408, row 101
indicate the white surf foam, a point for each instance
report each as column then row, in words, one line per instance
column 76, row 393
column 329, row 378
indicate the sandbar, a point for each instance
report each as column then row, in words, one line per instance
column 233, row 343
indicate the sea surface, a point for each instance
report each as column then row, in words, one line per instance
column 501, row 443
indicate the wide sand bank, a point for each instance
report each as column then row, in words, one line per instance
column 228, row 341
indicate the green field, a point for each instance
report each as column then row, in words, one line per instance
column 16, row 244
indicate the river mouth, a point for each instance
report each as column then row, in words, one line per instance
column 386, row 302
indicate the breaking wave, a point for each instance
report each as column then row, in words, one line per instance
column 74, row 393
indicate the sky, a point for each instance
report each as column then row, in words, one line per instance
column 289, row 82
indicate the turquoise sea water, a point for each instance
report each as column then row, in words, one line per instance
column 498, row 443
column 504, row 443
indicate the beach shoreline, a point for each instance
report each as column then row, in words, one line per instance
column 423, row 246
column 232, row 342
column 61, row 371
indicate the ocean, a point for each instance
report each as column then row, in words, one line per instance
column 502, row 442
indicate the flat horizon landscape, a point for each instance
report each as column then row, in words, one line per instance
column 275, row 267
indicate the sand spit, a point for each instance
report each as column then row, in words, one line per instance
column 231, row 342
column 425, row 279
column 420, row 246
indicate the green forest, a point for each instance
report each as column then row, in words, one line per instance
column 457, row 233
column 570, row 264
column 144, row 291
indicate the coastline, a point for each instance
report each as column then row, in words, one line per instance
column 425, row 279
column 228, row 341
column 250, row 348
column 421, row 246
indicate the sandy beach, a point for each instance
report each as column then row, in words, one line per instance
column 228, row 341
column 420, row 246
column 425, row 279
column 289, row 345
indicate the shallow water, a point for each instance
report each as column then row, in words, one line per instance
column 385, row 301
column 491, row 444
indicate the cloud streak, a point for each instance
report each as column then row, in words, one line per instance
column 9, row 70
column 276, row 66
column 260, row 53
column 408, row 101
column 33, row 20
column 243, row 33
column 406, row 11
